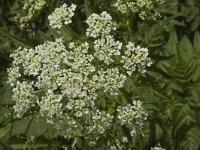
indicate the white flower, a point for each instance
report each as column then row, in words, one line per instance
column 78, row 58
column 144, row 8
column 120, row 6
column 24, row 97
column 124, row 139
column 50, row 104
column 74, row 81
column 132, row 116
column 136, row 58
column 33, row 9
column 61, row 15
column 106, row 47
column 157, row 147
column 13, row 75
column 111, row 80
column 65, row 82
column 101, row 121
column 100, row 25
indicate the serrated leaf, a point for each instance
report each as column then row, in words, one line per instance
column 185, row 50
column 195, row 24
column 185, row 121
column 191, row 141
column 197, row 43
column 171, row 48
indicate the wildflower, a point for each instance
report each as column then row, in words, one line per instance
column 144, row 8
column 107, row 47
column 158, row 147
column 111, row 80
column 100, row 25
column 101, row 121
column 13, row 75
column 50, row 104
column 64, row 81
column 33, row 8
column 132, row 116
column 135, row 58
column 24, row 97
column 120, row 6
column 61, row 15
column 50, row 68
column 78, row 58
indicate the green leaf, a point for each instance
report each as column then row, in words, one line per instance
column 195, row 24
column 4, row 131
column 13, row 39
column 197, row 44
column 66, row 33
column 192, row 141
column 171, row 47
column 87, row 8
column 185, row 50
column 36, row 127
column 23, row 146
column 129, row 85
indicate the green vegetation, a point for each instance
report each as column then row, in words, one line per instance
column 169, row 89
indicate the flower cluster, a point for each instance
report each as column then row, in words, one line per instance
column 132, row 116
column 24, row 97
column 89, row 126
column 78, row 59
column 64, row 81
column 144, row 8
column 13, row 75
column 61, row 15
column 40, row 66
column 111, row 79
column 157, row 148
column 118, row 143
column 121, row 7
column 33, row 8
column 135, row 58
column 50, row 104
column 100, row 25
column 106, row 47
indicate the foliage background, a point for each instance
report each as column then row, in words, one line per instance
column 170, row 89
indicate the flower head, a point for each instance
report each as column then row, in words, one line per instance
column 144, row 8
column 61, row 15
column 135, row 58
column 132, row 116
column 106, row 47
column 100, row 25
